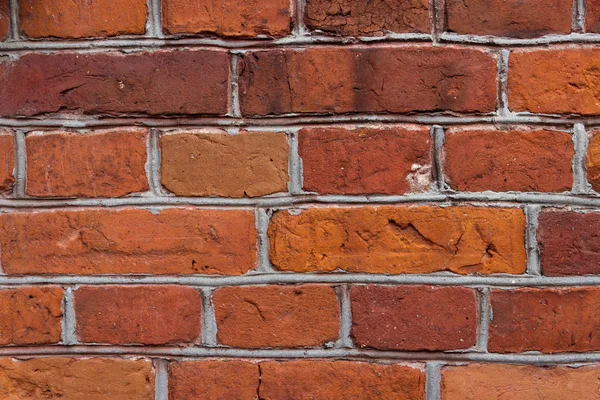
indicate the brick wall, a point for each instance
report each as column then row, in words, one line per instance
column 325, row 199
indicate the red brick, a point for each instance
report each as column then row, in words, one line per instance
column 30, row 315
column 76, row 379
column 4, row 18
column 172, row 241
column 137, row 315
column 554, row 81
column 213, row 163
column 516, row 160
column 236, row 18
column 364, row 161
column 340, row 380
column 520, row 382
column 276, row 316
column 103, row 164
column 592, row 16
column 394, row 240
column 213, row 380
column 368, row 18
column 82, row 18
column 374, row 80
column 146, row 83
column 593, row 161
column 569, row 243
column 512, row 18
column 414, row 317
column 7, row 160
column 549, row 321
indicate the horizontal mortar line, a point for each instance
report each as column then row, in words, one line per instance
column 306, row 200
column 285, row 278
column 216, row 352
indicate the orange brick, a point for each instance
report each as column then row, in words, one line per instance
column 7, row 159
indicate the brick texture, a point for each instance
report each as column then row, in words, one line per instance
column 7, row 159
column 593, row 161
column 85, row 242
column 592, row 16
column 4, row 18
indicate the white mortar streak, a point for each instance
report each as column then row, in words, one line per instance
column 433, row 381
column 209, row 323
column 343, row 296
column 161, row 383
column 14, row 32
column 154, row 23
column 299, row 27
column 154, row 160
column 438, row 18
column 483, row 296
column 503, row 82
column 295, row 169
column 69, row 325
column 579, row 16
column 234, row 87
column 263, row 217
column 20, row 165
column 438, row 138
column 532, row 213
column 580, row 142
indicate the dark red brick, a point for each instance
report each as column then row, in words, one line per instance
column 4, row 18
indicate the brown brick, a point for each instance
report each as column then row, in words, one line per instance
column 414, row 317
column 137, row 315
column 202, row 163
column 103, row 164
column 549, row 321
column 523, row 161
column 4, row 18
column 30, row 315
column 84, row 242
column 276, row 316
column 82, row 18
column 76, row 379
column 569, row 243
column 374, row 80
column 213, row 380
column 7, row 159
column 512, row 18
column 368, row 18
column 145, row 83
column 593, row 161
column 516, row 382
column 237, row 18
column 340, row 380
column 555, row 81
column 366, row 160
column 397, row 240
column 592, row 16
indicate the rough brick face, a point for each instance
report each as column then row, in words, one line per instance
column 82, row 18
column 413, row 318
column 201, row 163
column 545, row 320
column 30, row 315
column 276, row 316
column 236, row 18
column 76, row 379
column 4, row 18
column 367, row 80
column 523, row 161
column 520, row 382
column 103, row 164
column 174, row 241
column 161, row 82
column 340, row 380
column 555, row 81
column 593, row 161
column 513, row 18
column 137, row 315
column 7, row 159
column 365, row 160
column 367, row 18
column 399, row 240
column 592, row 16
column 569, row 243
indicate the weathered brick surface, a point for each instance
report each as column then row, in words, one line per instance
column 367, row 18
column 133, row 241
column 4, row 18
column 592, row 16
column 365, row 160
column 235, row 18
column 593, row 161
column 7, row 159
column 399, row 240
column 513, row 18
column 146, row 83
column 76, row 379
column 545, row 320
column 276, row 316
column 523, row 161
column 102, row 164
column 214, row 163
column 137, row 315
column 30, row 315
column 367, row 80
column 569, row 243
column 82, row 18
column 519, row 382
column 413, row 317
